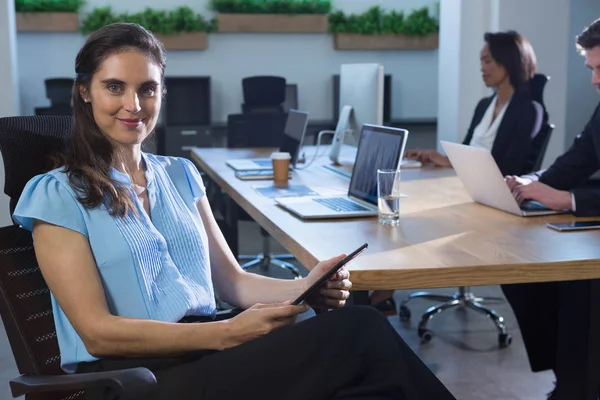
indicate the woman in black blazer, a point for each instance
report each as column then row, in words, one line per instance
column 504, row 123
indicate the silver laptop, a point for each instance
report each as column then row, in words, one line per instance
column 293, row 136
column 379, row 147
column 482, row 178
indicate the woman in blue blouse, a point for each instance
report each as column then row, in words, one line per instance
column 130, row 249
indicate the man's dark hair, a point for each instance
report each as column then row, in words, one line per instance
column 590, row 37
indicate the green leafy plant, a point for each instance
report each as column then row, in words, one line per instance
column 48, row 5
column 181, row 19
column 271, row 6
column 376, row 21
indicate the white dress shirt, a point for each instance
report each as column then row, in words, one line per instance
column 485, row 132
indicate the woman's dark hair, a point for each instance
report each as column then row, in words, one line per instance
column 589, row 38
column 515, row 54
column 90, row 157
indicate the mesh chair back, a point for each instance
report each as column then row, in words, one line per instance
column 26, row 144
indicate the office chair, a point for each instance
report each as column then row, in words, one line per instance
column 263, row 94
column 26, row 144
column 541, row 134
column 291, row 97
column 259, row 130
column 58, row 91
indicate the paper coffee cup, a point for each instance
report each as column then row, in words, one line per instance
column 281, row 166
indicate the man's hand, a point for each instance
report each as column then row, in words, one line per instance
column 428, row 156
column 551, row 198
column 513, row 181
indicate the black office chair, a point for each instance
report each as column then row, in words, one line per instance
column 291, row 97
column 58, row 91
column 263, row 94
column 26, row 144
column 259, row 130
column 464, row 297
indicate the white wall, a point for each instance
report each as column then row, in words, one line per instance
column 308, row 60
column 462, row 25
column 582, row 97
column 9, row 100
column 550, row 37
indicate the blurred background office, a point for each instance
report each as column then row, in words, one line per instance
column 431, row 86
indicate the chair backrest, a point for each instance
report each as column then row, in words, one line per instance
column 291, row 97
column 537, row 86
column 26, row 144
column 540, row 145
column 263, row 91
column 255, row 130
column 58, row 91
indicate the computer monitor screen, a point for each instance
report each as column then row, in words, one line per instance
column 361, row 87
column 293, row 133
column 379, row 148
column 387, row 98
column 187, row 101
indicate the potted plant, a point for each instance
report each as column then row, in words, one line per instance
column 178, row 29
column 380, row 30
column 47, row 15
column 272, row 16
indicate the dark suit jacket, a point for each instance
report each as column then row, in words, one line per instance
column 513, row 144
column 572, row 170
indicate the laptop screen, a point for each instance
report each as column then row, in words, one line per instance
column 293, row 133
column 378, row 148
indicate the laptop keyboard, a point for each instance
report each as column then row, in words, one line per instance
column 340, row 204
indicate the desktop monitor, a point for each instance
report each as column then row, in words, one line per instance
column 361, row 88
column 387, row 97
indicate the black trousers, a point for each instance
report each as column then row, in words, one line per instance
column 349, row 353
column 536, row 306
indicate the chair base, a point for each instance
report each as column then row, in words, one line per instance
column 462, row 298
column 264, row 261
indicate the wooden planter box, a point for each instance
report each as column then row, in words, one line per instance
column 272, row 23
column 47, row 22
column 351, row 41
column 185, row 41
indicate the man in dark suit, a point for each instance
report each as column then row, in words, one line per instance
column 561, row 187
column 537, row 305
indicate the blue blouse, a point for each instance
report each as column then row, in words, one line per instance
column 153, row 267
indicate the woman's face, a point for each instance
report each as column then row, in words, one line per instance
column 493, row 74
column 125, row 96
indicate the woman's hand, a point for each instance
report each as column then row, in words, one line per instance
column 335, row 291
column 428, row 156
column 259, row 320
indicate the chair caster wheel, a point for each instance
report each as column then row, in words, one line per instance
column 504, row 340
column 404, row 313
column 426, row 335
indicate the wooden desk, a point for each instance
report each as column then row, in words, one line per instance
column 444, row 239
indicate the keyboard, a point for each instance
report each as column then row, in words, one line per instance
column 340, row 204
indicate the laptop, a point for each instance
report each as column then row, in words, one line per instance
column 379, row 147
column 293, row 136
column 484, row 182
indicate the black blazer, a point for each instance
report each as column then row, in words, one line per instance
column 513, row 144
column 572, row 170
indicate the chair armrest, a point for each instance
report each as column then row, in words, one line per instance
column 126, row 383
